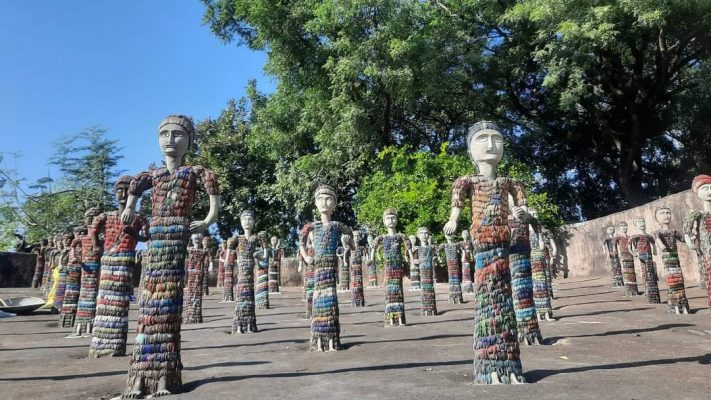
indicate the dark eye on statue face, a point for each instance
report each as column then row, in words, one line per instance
column 163, row 133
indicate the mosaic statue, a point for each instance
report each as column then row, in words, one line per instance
column 275, row 266
column 414, row 266
column 667, row 237
column 550, row 252
column 207, row 265
column 496, row 347
column 70, row 284
column 245, row 319
column 50, row 253
column 344, row 270
column 141, row 260
column 229, row 258
column 156, row 364
column 221, row 253
column 262, row 259
column 467, row 250
column 642, row 246
column 39, row 263
column 454, row 269
column 529, row 333
column 393, row 245
column 627, row 260
column 308, row 270
column 697, row 227
column 539, row 259
column 195, row 262
column 116, row 278
column 370, row 263
column 325, row 325
column 608, row 246
column 358, row 254
column 425, row 255
column 59, row 271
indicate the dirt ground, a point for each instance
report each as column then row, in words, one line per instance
column 602, row 346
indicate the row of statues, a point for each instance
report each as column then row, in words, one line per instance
column 504, row 259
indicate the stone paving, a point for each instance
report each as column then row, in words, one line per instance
column 601, row 346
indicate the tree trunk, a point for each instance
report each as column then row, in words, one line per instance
column 629, row 172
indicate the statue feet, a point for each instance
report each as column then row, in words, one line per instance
column 495, row 380
column 162, row 388
column 528, row 341
column 548, row 316
column 135, row 391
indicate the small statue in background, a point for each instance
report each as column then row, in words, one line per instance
column 245, row 319
column 425, row 256
column 667, row 238
column 414, row 266
column 195, row 262
column 629, row 275
column 467, row 250
column 454, row 272
column 608, row 246
column 370, row 263
column 358, row 254
column 642, row 246
column 275, row 266
column 262, row 259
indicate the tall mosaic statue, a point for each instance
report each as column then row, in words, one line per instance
column 245, row 319
column 197, row 258
column 496, row 347
column 344, row 268
column 325, row 325
column 667, row 239
column 60, row 259
column 467, row 250
column 358, row 255
column 221, row 253
column 613, row 260
column 697, row 227
column 643, row 247
column 529, row 333
column 156, row 363
column 70, row 284
column 394, row 244
column 550, row 252
column 454, row 269
column 275, row 266
column 90, row 266
column 414, row 265
column 39, row 263
column 228, row 259
column 262, row 259
column 54, row 242
column 370, row 263
column 425, row 255
column 629, row 275
column 116, row 278
column 539, row 261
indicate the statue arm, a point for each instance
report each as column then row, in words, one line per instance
column 691, row 228
column 139, row 184
column 97, row 226
column 303, row 240
column 554, row 247
column 376, row 243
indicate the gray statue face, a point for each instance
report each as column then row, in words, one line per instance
column 325, row 203
column 121, row 193
column 356, row 237
column 624, row 228
column 88, row 219
column 465, row 235
column 274, row 241
column 174, row 140
column 610, row 230
column 247, row 222
column 371, row 239
column 206, row 242
column 640, row 224
column 664, row 216
column 424, row 237
column 196, row 238
column 390, row 221
column 704, row 192
column 487, row 146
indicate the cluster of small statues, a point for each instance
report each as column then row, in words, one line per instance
column 504, row 260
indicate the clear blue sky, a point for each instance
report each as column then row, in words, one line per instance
column 121, row 65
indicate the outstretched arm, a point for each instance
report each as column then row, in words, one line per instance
column 200, row 226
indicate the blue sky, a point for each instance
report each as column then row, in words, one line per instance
column 121, row 65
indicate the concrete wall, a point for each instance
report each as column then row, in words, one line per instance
column 16, row 269
column 584, row 254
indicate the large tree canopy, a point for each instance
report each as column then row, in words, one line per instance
column 605, row 101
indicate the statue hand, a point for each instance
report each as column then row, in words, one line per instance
column 197, row 226
column 450, row 227
column 127, row 215
column 689, row 243
column 309, row 260
column 518, row 212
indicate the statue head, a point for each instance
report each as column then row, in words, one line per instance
column 623, row 227
column 610, row 230
column 45, row 242
column 701, row 185
column 275, row 242
column 246, row 219
column 223, row 245
column 176, row 134
column 371, row 239
column 90, row 214
column 67, row 238
column 424, row 235
column 263, row 238
column 413, row 239
column 206, row 242
column 356, row 237
column 121, row 189
column 325, row 199
column 485, row 143
column 663, row 215
column 390, row 218
column 56, row 240
column 466, row 235
column 640, row 224
column 196, row 239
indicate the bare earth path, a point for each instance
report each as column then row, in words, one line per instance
column 602, row 346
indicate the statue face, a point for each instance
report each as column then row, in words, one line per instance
column 88, row 220
column 325, row 203
column 412, row 239
column 274, row 241
column 206, row 242
column 465, row 235
column 247, row 222
column 121, row 193
column 390, row 221
column 370, row 239
column 610, row 230
column 424, row 237
column 356, row 237
column 623, row 228
column 174, row 140
column 196, row 239
column 664, row 216
column 704, row 192
column 487, row 146
column 640, row 224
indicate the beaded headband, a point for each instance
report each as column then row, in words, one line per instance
column 325, row 189
column 480, row 126
column 390, row 211
column 422, row 229
column 182, row 120
column 700, row 181
column 247, row 213
column 123, row 180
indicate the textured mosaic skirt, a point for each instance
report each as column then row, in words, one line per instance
column 72, row 286
column 467, row 286
column 344, row 277
column 394, row 297
column 522, row 294
column 455, row 282
column 651, row 285
column 541, row 297
column 372, row 274
column 156, row 354
column 616, row 271
column 427, row 297
column 415, row 279
column 274, row 277
column 630, row 277
column 245, row 319
column 325, row 325
column 60, row 287
column 676, row 296
column 309, row 289
column 192, row 296
column 496, row 347
column 262, row 288
column 112, row 305
column 86, row 310
column 228, row 288
column 221, row 275
column 357, row 295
